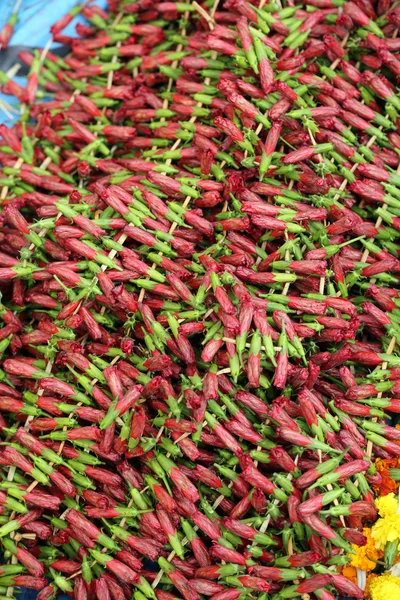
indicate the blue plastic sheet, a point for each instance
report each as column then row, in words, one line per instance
column 35, row 17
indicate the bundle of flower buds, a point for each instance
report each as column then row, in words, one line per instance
column 199, row 312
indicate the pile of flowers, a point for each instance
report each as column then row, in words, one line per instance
column 199, row 309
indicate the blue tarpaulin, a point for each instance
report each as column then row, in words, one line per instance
column 35, row 18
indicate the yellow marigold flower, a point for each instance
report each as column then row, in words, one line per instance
column 370, row 578
column 385, row 587
column 363, row 554
column 387, row 505
column 386, row 530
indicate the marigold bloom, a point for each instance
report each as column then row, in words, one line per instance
column 365, row 556
column 385, row 586
column 350, row 573
column 386, row 530
column 370, row 578
column 387, row 505
column 388, row 484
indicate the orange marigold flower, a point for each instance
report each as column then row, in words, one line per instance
column 350, row 573
column 387, row 485
column 365, row 557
